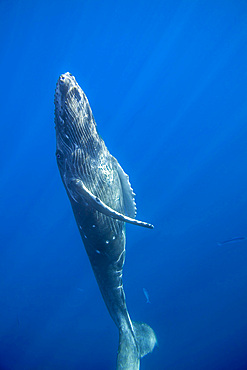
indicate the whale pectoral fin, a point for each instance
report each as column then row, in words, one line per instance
column 81, row 192
column 128, row 193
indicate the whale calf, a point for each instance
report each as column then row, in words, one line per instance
column 102, row 201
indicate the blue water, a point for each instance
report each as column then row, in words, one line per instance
column 167, row 84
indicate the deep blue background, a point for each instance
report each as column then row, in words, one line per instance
column 167, row 84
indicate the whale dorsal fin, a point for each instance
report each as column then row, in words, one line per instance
column 81, row 192
column 128, row 193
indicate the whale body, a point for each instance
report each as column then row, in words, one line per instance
column 102, row 201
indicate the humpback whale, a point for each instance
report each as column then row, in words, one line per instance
column 102, row 201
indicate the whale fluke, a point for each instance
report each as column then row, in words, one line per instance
column 129, row 354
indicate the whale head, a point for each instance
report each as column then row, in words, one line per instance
column 76, row 132
column 72, row 113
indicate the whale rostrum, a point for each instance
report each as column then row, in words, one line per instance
column 102, row 201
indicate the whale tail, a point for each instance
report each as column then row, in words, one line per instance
column 132, row 348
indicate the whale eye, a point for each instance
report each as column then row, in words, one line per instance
column 58, row 154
